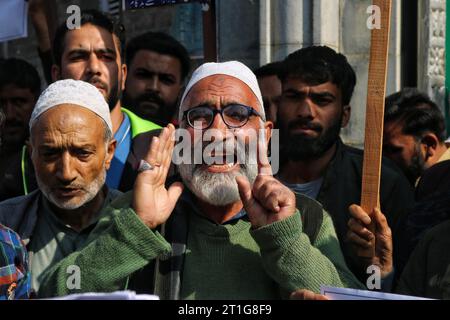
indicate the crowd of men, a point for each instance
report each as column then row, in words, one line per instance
column 87, row 176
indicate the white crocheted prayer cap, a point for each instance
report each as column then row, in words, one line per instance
column 234, row 69
column 75, row 92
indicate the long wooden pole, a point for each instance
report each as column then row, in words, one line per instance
column 376, row 91
column 210, row 33
column 52, row 19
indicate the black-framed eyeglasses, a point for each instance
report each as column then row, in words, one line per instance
column 233, row 115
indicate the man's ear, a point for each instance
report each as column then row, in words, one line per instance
column 268, row 127
column 124, row 71
column 56, row 73
column 346, row 113
column 431, row 143
column 110, row 153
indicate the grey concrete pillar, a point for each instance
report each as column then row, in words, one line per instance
column 291, row 26
column 326, row 23
column 237, row 31
column 265, row 35
column 355, row 45
column 431, row 50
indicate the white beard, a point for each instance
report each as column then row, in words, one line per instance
column 219, row 189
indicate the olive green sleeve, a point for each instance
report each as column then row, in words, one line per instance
column 120, row 245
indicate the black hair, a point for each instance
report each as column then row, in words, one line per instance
column 270, row 69
column 2, row 119
column 161, row 43
column 319, row 64
column 20, row 73
column 416, row 113
column 96, row 18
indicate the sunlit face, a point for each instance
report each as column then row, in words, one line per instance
column 17, row 104
column 215, row 183
column 310, row 118
column 70, row 155
column 92, row 54
column 404, row 150
column 153, row 86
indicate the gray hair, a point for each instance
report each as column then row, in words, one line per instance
column 107, row 134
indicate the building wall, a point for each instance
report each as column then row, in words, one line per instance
column 260, row 31
column 432, row 49
column 339, row 24
column 354, row 42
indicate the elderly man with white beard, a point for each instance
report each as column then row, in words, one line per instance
column 228, row 230
column 72, row 147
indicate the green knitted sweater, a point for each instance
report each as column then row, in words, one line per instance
column 222, row 261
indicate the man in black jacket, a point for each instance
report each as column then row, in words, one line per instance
column 317, row 86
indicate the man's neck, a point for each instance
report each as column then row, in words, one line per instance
column 79, row 218
column 219, row 214
column 440, row 150
column 307, row 170
column 116, row 117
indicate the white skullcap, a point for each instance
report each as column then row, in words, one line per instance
column 76, row 92
column 234, row 69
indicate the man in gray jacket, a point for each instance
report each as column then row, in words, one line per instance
column 72, row 147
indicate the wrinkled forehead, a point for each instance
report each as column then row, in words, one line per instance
column 220, row 88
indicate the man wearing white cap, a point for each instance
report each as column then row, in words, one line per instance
column 94, row 53
column 72, row 147
column 229, row 230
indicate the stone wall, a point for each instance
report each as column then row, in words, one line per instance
column 432, row 49
column 355, row 44
column 339, row 24
column 260, row 31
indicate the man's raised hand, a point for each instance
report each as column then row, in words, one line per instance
column 152, row 202
column 268, row 200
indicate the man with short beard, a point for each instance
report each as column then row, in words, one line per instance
column 317, row 86
column 157, row 69
column 229, row 230
column 72, row 147
column 95, row 53
column 414, row 132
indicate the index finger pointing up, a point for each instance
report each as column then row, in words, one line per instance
column 264, row 167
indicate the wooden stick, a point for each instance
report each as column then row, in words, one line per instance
column 210, row 33
column 376, row 90
column 52, row 19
